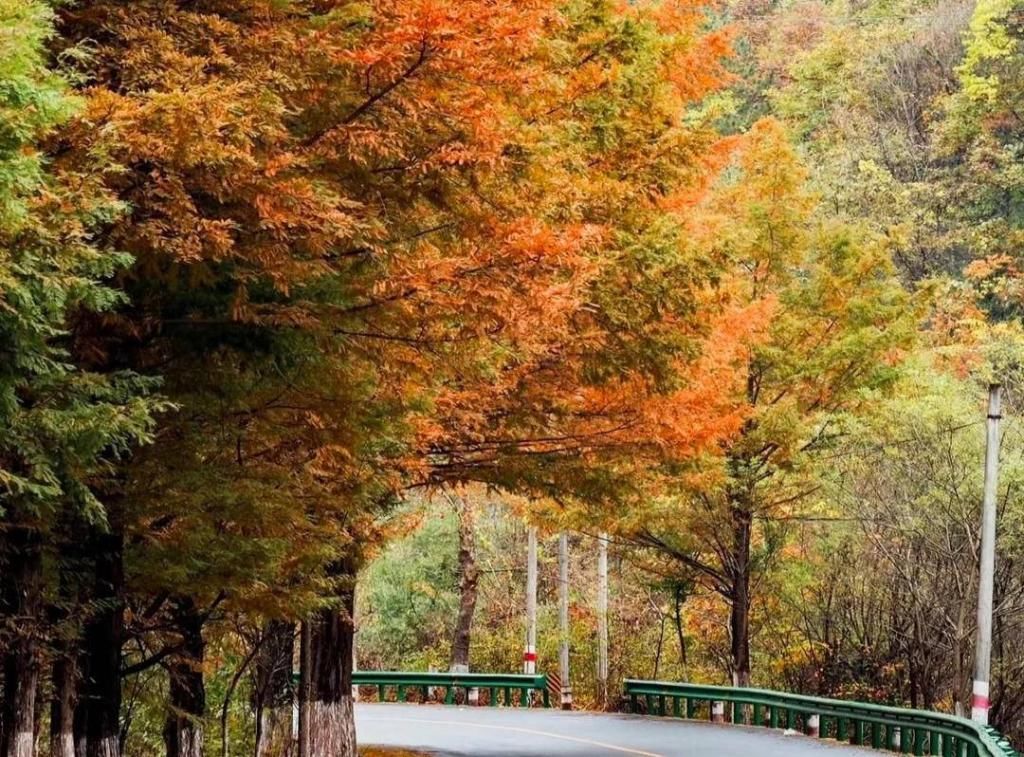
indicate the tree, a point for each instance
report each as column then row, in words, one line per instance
column 381, row 246
column 863, row 92
column 980, row 136
column 607, row 381
column 273, row 689
column 63, row 426
column 839, row 322
column 390, row 263
column 288, row 281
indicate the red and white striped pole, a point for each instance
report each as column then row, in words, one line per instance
column 718, row 712
column 530, row 659
column 814, row 726
column 530, row 651
column 983, row 651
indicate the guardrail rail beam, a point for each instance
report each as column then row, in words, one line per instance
column 402, row 682
column 890, row 728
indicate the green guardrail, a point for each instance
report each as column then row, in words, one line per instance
column 495, row 684
column 891, row 728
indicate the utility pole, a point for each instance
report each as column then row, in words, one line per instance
column 983, row 650
column 563, row 619
column 530, row 651
column 355, row 643
column 602, row 619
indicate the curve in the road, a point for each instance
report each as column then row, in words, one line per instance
column 499, row 732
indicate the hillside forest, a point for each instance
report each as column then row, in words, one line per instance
column 312, row 310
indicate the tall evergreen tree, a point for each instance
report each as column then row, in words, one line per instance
column 60, row 426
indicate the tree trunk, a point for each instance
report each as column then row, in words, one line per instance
column 469, row 576
column 657, row 651
column 3, row 684
column 102, row 642
column 332, row 731
column 273, row 693
column 63, row 705
column 66, row 653
column 680, row 635
column 305, row 688
column 183, row 729
column 739, row 625
column 21, row 605
column 78, row 728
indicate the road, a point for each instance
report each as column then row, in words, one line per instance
column 499, row 732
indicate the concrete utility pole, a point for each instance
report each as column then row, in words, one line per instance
column 983, row 651
column 563, row 619
column 355, row 643
column 602, row 619
column 530, row 651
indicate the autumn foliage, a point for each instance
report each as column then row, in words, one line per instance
column 404, row 244
column 453, row 199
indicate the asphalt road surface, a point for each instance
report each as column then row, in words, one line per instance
column 499, row 732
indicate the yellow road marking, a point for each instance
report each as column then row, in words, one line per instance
column 531, row 731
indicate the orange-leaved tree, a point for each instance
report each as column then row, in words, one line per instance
column 628, row 364
column 379, row 245
column 314, row 255
column 839, row 323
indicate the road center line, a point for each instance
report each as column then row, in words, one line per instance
column 548, row 734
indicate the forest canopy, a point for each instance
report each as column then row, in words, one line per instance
column 309, row 300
